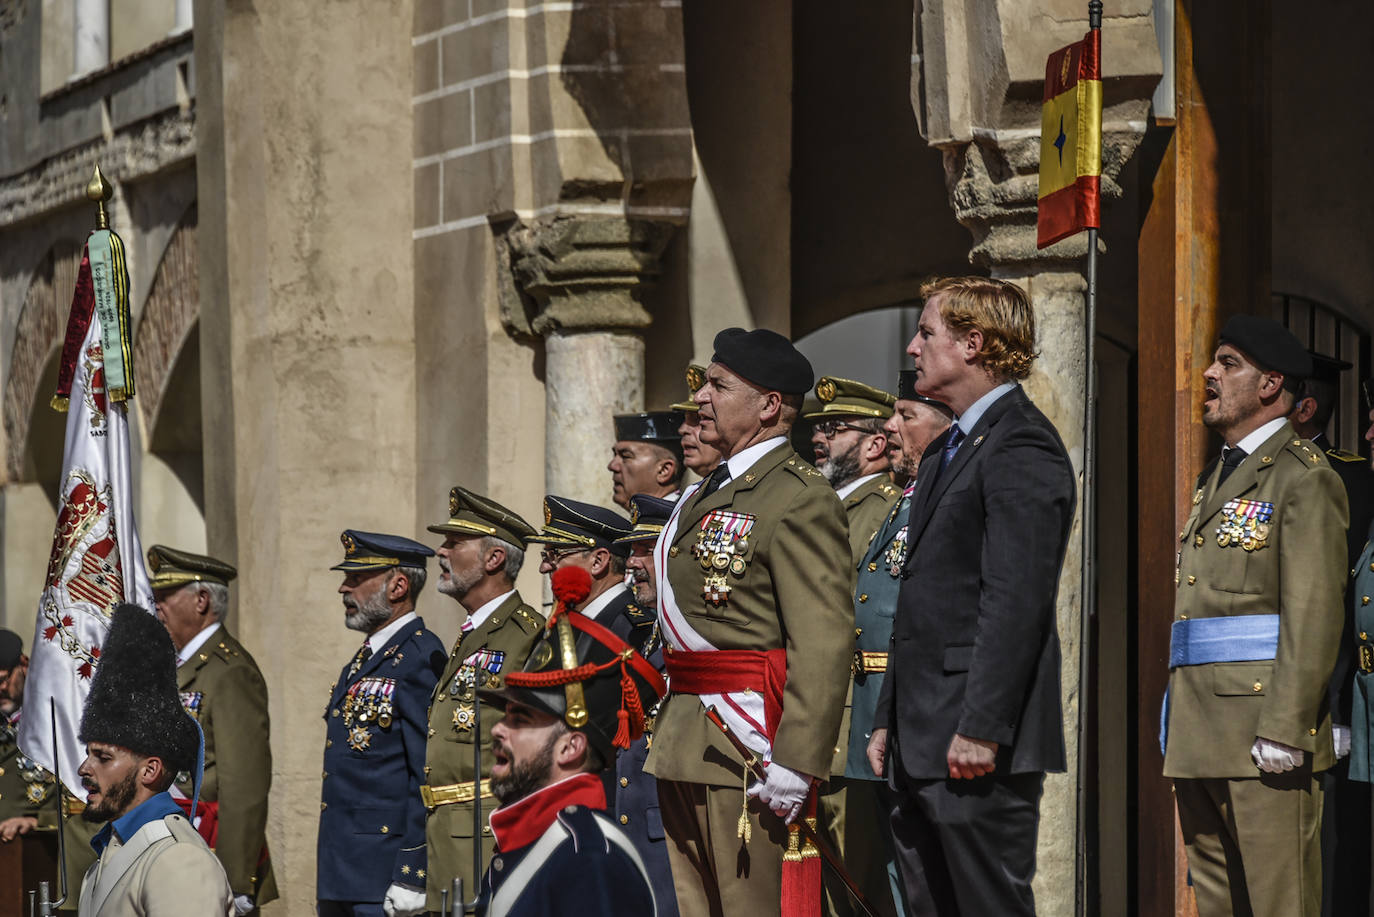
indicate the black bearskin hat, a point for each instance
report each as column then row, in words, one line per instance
column 134, row 702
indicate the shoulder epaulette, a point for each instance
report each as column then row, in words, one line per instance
column 890, row 490
column 1344, row 456
column 1304, row 450
column 806, row 471
column 527, row 619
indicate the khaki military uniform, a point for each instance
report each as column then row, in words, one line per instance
column 223, row 689
column 165, row 868
column 24, row 786
column 793, row 593
column 866, row 509
column 501, row 644
column 1289, row 559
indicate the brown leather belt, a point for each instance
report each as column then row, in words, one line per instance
column 435, row 796
column 868, row 662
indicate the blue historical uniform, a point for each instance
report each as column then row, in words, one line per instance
column 558, row 854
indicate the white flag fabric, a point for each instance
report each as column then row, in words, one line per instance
column 96, row 560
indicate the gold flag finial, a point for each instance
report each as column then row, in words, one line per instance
column 99, row 190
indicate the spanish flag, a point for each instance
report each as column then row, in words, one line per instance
column 1071, row 140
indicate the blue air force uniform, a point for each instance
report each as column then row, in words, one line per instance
column 372, row 820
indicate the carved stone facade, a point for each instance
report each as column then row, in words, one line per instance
column 169, row 315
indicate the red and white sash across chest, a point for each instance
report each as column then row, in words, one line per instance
column 743, row 711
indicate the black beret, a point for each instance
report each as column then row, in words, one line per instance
column 1269, row 345
column 11, row 649
column 134, row 702
column 906, row 391
column 766, row 359
column 650, row 427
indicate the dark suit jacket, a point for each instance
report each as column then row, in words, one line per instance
column 372, row 822
column 975, row 649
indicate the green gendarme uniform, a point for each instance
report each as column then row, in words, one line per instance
column 866, row 509
column 1270, row 540
column 223, row 689
column 500, row 644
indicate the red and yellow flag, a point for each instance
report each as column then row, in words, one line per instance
column 1071, row 140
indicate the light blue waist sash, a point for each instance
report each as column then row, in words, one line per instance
column 1234, row 638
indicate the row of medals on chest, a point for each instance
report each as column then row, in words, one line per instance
column 719, row 551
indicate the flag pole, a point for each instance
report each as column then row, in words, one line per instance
column 1088, row 597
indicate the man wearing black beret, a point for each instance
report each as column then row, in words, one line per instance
column 753, row 587
column 647, row 456
column 1257, row 622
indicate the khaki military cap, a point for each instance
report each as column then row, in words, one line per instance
column 474, row 514
column 847, row 398
column 171, row 568
column 696, row 378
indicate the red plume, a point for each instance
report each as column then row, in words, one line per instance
column 571, row 585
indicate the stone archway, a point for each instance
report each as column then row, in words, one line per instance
column 42, row 323
column 168, row 319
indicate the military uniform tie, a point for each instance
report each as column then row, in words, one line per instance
column 718, row 479
column 364, row 654
column 1231, row 457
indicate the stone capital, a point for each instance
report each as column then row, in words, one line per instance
column 576, row 273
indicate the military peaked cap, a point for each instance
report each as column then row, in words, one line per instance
column 473, row 514
column 374, row 551
column 765, row 358
column 648, row 515
column 134, row 701
column 1270, row 345
column 171, row 568
column 906, row 391
column 11, row 649
column 650, row 427
column 847, row 398
column 696, row 378
column 575, row 524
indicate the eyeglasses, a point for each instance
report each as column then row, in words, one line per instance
column 828, row 428
column 553, row 556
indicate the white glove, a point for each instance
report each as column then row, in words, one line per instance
column 1275, row 757
column 1341, row 736
column 403, row 901
column 243, row 905
column 784, row 791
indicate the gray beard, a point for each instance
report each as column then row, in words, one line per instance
column 367, row 616
column 839, row 470
column 458, row 584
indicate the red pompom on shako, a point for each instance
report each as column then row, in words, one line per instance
column 571, row 585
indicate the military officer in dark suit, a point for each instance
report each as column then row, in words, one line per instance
column 483, row 551
column 558, row 852
column 1257, row 623
column 647, row 456
column 585, row 535
column 753, row 575
column 1346, row 806
column 970, row 698
column 223, row 689
column 700, row 458
column 916, row 422
column 370, row 857
column 635, row 793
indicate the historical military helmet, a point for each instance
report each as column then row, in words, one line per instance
column 375, row 551
column 134, row 701
column 574, row 524
column 600, row 685
column 171, row 567
column 696, row 378
column 473, row 514
column 847, row 398
column 648, row 515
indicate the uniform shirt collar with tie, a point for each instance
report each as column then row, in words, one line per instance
column 195, row 643
column 1251, row 442
column 736, row 465
column 479, row 617
column 382, row 637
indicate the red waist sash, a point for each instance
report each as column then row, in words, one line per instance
column 731, row 672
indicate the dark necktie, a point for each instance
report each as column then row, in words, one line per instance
column 956, row 436
column 364, row 654
column 717, row 480
column 1231, row 457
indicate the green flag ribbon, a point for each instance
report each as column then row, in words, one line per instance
column 110, row 278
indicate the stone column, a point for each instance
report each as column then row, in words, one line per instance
column 184, row 16
column 584, row 279
column 969, row 90
column 91, row 30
